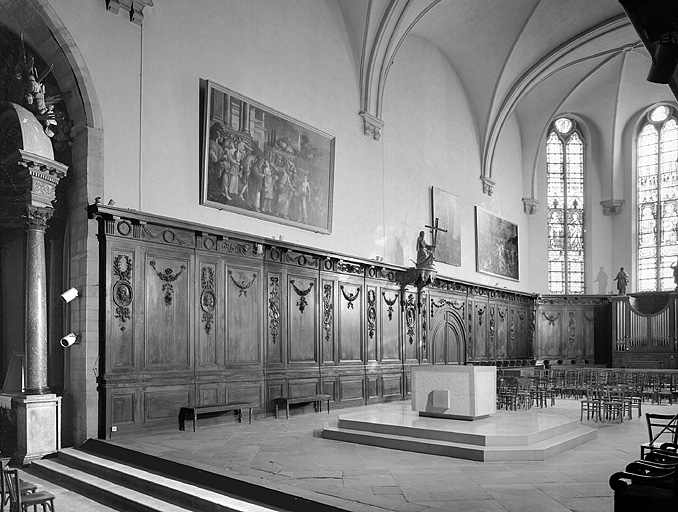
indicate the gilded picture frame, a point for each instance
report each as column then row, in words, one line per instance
column 258, row 162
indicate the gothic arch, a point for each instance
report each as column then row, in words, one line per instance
column 444, row 318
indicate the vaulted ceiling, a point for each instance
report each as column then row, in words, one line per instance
column 526, row 58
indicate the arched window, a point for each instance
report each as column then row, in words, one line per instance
column 565, row 200
column 657, row 195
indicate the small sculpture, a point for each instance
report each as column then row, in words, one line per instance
column 425, row 253
column 622, row 281
column 675, row 274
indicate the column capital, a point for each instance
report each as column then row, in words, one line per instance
column 530, row 205
column 37, row 217
column 612, row 206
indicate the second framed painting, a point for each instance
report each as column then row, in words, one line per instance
column 496, row 245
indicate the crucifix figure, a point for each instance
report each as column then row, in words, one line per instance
column 425, row 252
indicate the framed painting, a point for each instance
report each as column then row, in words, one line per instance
column 261, row 163
column 446, row 212
column 496, row 245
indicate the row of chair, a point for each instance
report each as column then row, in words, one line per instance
column 18, row 495
column 523, row 392
column 610, row 402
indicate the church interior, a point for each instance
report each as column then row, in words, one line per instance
column 277, row 207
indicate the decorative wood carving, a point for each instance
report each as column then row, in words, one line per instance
column 571, row 328
column 350, row 297
column 168, row 277
column 410, row 317
column 303, row 260
column 123, row 293
column 371, row 313
column 551, row 317
column 168, row 236
column 491, row 326
column 207, row 297
column 274, row 308
column 349, row 268
column 242, row 285
column 302, row 295
column 328, row 311
column 390, row 304
column 480, row 311
column 424, row 327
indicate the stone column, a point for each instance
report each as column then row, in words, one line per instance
column 36, row 301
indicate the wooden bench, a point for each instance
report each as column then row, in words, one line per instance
column 194, row 411
column 316, row 399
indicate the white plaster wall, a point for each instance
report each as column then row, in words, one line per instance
column 430, row 139
column 295, row 57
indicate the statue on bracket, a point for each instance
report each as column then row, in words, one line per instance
column 425, row 253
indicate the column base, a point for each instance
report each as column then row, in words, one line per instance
column 38, row 427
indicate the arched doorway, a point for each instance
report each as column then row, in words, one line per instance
column 448, row 337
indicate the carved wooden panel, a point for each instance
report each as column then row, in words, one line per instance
column 352, row 388
column 389, row 325
column 519, row 341
column 550, row 324
column 392, row 386
column 502, row 328
column 372, row 387
column 410, row 327
column 349, row 317
column 274, row 318
column 123, row 309
column 329, row 388
column 208, row 311
column 167, row 312
column 245, row 393
column 327, row 338
column 243, row 321
column 372, row 332
column 480, row 328
column 123, row 407
column 301, row 387
column 302, row 319
column 162, row 404
column 208, row 394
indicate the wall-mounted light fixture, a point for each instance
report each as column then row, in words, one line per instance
column 70, row 339
column 69, row 295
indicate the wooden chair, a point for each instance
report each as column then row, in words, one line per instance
column 662, row 428
column 613, row 403
column 20, row 502
column 642, row 487
column 24, row 488
column 592, row 404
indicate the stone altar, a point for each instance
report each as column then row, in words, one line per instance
column 456, row 392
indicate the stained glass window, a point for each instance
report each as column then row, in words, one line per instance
column 565, row 213
column 657, row 194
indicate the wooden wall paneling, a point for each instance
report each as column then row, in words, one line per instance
column 304, row 386
column 123, row 313
column 328, row 336
column 168, row 313
column 276, row 303
column 352, row 389
column 392, row 385
column 522, row 321
column 373, row 333
column 209, row 323
column 550, row 321
column 410, row 326
column 480, row 328
column 243, row 305
column 502, row 321
column 123, row 409
column 389, row 325
column 424, row 327
column 349, row 315
column 243, row 391
column 161, row 403
column 208, row 393
column 491, row 319
column 302, row 318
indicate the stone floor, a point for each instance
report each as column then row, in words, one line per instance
column 291, row 455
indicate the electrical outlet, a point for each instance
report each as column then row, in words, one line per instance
column 114, row 428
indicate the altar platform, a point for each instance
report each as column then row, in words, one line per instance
column 523, row 435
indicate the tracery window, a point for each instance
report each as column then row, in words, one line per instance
column 565, row 214
column 657, row 195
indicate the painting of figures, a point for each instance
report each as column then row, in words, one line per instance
column 259, row 162
column 448, row 242
column 496, row 245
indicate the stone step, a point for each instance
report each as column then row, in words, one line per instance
column 540, row 450
column 131, row 488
